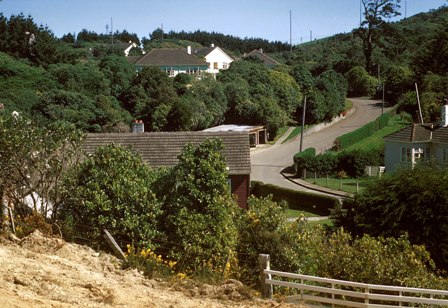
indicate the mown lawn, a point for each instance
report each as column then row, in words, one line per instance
column 349, row 185
column 294, row 214
column 296, row 131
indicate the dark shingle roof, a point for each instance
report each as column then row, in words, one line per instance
column 169, row 57
column 263, row 57
column 133, row 59
column 202, row 51
column 420, row 133
column 162, row 149
column 440, row 135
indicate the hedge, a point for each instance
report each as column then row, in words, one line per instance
column 296, row 200
column 352, row 163
column 365, row 131
column 302, row 160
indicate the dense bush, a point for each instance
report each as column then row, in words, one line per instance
column 385, row 261
column 360, row 83
column 354, row 162
column 34, row 159
column 351, row 163
column 304, row 159
column 413, row 202
column 111, row 190
column 305, row 248
column 263, row 229
column 198, row 209
column 297, row 200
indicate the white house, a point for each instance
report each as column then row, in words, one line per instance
column 418, row 142
column 216, row 58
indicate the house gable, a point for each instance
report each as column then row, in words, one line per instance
column 267, row 61
column 215, row 57
column 418, row 141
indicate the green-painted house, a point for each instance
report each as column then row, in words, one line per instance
column 172, row 61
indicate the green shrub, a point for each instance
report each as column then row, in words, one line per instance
column 302, row 160
column 354, row 162
column 301, row 247
column 297, row 200
column 111, row 190
column 386, row 261
column 414, row 202
column 199, row 210
column 263, row 229
column 360, row 83
column 351, row 163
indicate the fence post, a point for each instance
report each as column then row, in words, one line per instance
column 366, row 294
column 113, row 244
column 264, row 264
column 225, row 265
column 326, row 181
column 11, row 220
column 332, row 294
column 357, row 185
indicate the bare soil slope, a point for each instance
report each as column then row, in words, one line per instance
column 48, row 272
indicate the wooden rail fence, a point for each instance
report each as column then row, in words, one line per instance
column 340, row 293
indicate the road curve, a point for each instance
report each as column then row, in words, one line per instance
column 269, row 161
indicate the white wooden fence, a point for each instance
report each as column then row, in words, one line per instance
column 346, row 293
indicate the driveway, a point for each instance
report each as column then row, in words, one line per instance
column 268, row 161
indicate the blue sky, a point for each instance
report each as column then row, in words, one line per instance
column 268, row 19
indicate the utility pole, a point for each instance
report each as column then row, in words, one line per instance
column 360, row 13
column 405, row 9
column 162, row 33
column 381, row 84
column 419, row 106
column 112, row 30
column 303, row 124
column 290, row 29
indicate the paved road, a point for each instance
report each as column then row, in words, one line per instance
column 267, row 162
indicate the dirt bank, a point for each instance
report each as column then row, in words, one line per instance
column 48, row 272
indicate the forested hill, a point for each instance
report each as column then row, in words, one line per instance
column 400, row 43
column 87, row 81
column 231, row 43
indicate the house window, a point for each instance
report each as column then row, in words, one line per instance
column 225, row 65
column 419, row 154
column 406, row 155
column 215, row 65
column 171, row 72
column 193, row 71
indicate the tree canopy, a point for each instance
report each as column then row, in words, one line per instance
column 412, row 202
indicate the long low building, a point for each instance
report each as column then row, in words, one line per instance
column 257, row 134
column 161, row 149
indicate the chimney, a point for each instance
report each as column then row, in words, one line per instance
column 212, row 45
column 138, row 126
column 444, row 120
column 189, row 50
